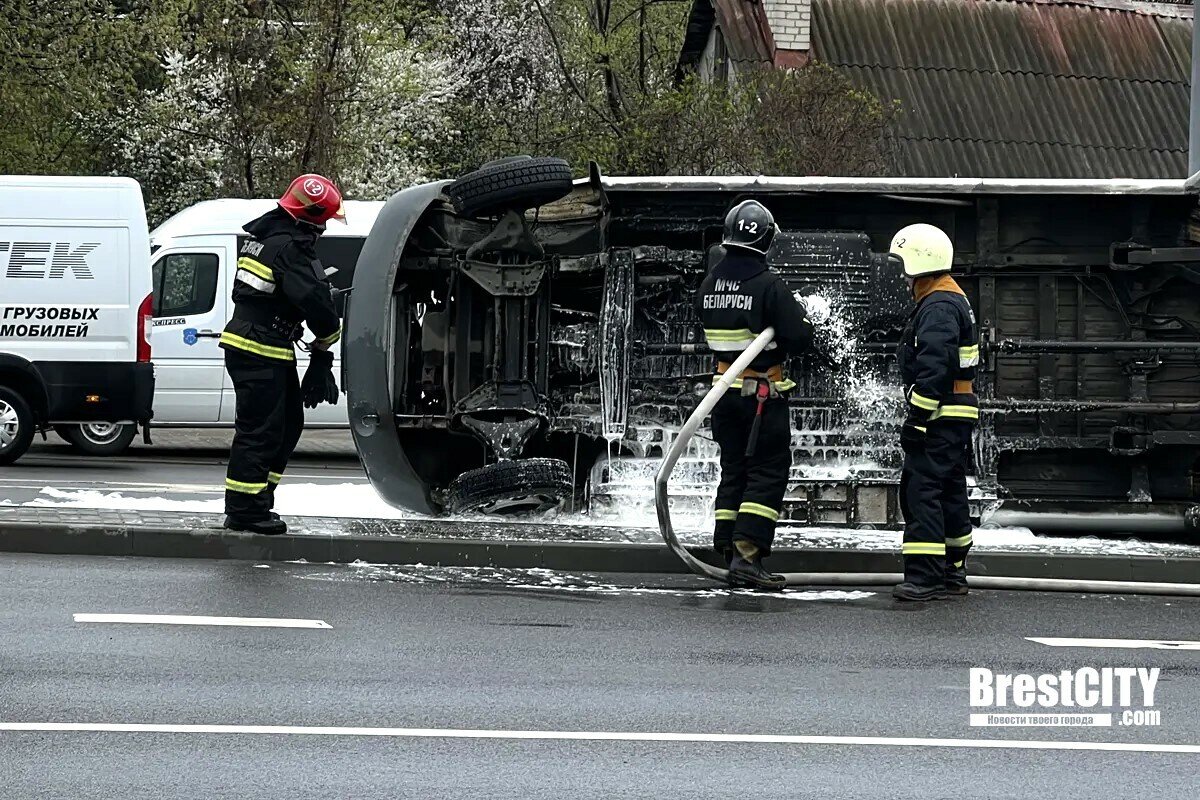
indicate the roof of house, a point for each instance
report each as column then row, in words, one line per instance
column 744, row 24
column 1019, row 88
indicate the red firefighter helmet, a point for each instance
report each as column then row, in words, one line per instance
column 313, row 198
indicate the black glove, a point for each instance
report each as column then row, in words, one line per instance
column 912, row 435
column 318, row 385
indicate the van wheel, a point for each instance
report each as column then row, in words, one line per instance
column 508, row 488
column 98, row 438
column 510, row 184
column 16, row 425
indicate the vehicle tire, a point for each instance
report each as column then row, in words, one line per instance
column 528, row 486
column 98, row 438
column 516, row 183
column 16, row 425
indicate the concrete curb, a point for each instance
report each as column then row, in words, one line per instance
column 570, row 556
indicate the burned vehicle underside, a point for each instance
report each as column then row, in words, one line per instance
column 503, row 359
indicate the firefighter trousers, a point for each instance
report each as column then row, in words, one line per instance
column 269, row 421
column 750, row 496
column 933, row 499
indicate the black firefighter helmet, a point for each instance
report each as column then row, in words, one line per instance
column 749, row 226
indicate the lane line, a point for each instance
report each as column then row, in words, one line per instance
column 188, row 619
column 593, row 736
column 1116, row 644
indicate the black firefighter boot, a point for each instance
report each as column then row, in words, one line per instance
column 726, row 554
column 271, row 526
column 271, row 500
column 746, row 567
column 924, row 578
column 956, row 579
column 918, row 593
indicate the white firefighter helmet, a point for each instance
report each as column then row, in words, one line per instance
column 923, row 249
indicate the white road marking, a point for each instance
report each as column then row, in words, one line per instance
column 181, row 619
column 598, row 736
column 1116, row 644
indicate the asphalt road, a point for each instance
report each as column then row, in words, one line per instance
column 419, row 655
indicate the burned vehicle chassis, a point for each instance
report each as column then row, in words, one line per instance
column 566, row 335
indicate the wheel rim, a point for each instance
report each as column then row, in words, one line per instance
column 100, row 432
column 10, row 425
column 531, row 503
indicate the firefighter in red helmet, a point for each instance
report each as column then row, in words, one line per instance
column 279, row 286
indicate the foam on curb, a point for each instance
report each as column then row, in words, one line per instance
column 115, row 535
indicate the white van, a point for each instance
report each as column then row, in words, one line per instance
column 193, row 262
column 75, row 306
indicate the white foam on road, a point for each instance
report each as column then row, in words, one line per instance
column 348, row 500
column 543, row 580
column 51, row 497
column 359, row 501
column 1116, row 644
column 598, row 736
column 189, row 619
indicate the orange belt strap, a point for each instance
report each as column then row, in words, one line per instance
column 774, row 374
column 964, row 387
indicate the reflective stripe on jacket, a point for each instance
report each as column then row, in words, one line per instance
column 741, row 297
column 279, row 283
column 939, row 353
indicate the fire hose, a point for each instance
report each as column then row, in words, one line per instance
column 662, row 500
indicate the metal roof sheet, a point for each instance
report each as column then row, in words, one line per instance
column 1020, row 88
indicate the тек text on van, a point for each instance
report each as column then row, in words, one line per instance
column 75, row 307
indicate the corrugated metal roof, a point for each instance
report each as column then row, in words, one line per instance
column 1016, row 88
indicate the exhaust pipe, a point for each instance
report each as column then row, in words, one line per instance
column 1088, row 522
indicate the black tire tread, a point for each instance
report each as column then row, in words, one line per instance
column 477, row 487
column 517, row 185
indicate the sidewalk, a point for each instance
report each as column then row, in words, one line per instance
column 571, row 547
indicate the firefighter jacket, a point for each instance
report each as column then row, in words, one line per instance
column 738, row 299
column 279, row 284
column 938, row 353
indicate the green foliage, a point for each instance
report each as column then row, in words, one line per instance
column 209, row 98
column 66, row 61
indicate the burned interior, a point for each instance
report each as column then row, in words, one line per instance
column 526, row 347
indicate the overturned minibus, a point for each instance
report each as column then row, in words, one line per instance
column 518, row 340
